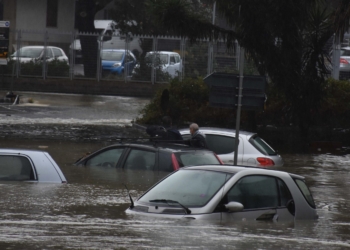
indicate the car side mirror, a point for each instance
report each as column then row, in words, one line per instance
column 291, row 207
column 234, row 206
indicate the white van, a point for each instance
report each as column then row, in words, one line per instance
column 109, row 38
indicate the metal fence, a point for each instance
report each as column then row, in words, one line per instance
column 196, row 59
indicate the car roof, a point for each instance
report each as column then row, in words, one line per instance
column 21, row 151
column 222, row 130
column 40, row 47
column 163, row 52
column 169, row 146
column 122, row 50
column 235, row 169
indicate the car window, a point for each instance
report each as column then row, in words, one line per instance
column 165, row 162
column 261, row 145
column 220, row 144
column 112, row 55
column 177, row 59
column 49, row 53
column 345, row 52
column 15, row 168
column 196, row 158
column 285, row 195
column 108, row 158
column 255, row 192
column 306, row 192
column 57, row 52
column 28, row 52
column 192, row 188
column 140, row 160
column 172, row 59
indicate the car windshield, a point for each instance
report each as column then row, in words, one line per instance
column 345, row 52
column 191, row 188
column 28, row 52
column 196, row 158
column 160, row 58
column 112, row 55
column 261, row 145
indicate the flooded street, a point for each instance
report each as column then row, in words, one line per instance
column 88, row 212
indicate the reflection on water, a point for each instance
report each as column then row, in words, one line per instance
column 88, row 212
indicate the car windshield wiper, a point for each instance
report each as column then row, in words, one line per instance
column 188, row 211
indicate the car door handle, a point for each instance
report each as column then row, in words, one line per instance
column 268, row 215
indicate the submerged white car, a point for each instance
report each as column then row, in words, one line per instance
column 29, row 165
column 227, row 193
column 252, row 150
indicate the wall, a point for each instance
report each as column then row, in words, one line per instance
column 91, row 87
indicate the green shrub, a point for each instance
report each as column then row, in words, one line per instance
column 188, row 101
column 32, row 68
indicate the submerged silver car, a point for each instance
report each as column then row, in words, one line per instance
column 252, row 149
column 29, row 165
column 227, row 193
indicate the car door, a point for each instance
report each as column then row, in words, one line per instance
column 263, row 198
column 58, row 55
column 130, row 62
column 139, row 166
column 48, row 54
column 107, row 158
column 173, row 67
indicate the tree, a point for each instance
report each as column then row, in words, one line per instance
column 85, row 11
column 285, row 39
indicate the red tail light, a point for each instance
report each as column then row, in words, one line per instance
column 342, row 60
column 217, row 157
column 265, row 162
column 174, row 161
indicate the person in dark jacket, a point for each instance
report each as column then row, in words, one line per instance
column 198, row 139
column 165, row 132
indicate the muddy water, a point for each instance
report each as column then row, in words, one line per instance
column 88, row 212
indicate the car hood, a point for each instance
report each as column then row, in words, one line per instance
column 106, row 63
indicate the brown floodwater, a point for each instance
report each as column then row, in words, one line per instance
column 89, row 211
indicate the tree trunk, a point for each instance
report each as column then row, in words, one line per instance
column 85, row 11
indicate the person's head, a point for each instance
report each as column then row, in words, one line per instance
column 193, row 128
column 167, row 121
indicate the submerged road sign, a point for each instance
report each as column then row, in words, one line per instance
column 224, row 89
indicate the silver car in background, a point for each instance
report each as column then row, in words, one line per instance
column 252, row 150
column 29, row 165
column 228, row 193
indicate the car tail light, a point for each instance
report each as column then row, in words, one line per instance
column 342, row 60
column 265, row 162
column 174, row 161
column 217, row 157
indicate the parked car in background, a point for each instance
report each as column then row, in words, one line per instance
column 29, row 165
column 344, row 66
column 158, row 156
column 38, row 53
column 252, row 150
column 227, row 193
column 169, row 62
column 117, row 61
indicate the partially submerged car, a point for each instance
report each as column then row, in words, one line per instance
column 252, row 149
column 227, row 193
column 29, row 165
column 160, row 156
